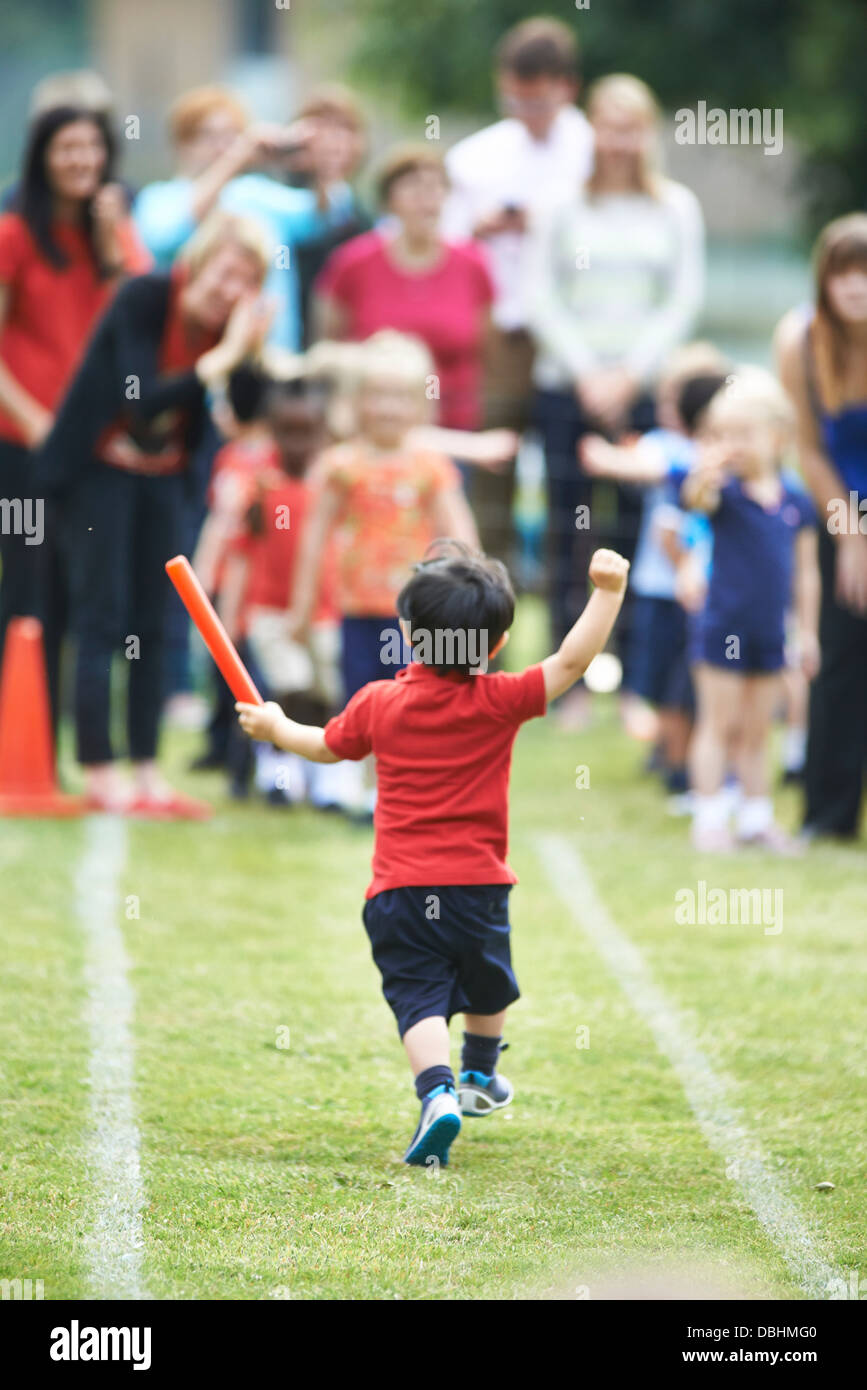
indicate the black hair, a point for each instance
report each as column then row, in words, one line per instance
column 539, row 47
column 696, row 394
column 250, row 391
column 35, row 197
column 299, row 388
column 245, row 392
column 458, row 605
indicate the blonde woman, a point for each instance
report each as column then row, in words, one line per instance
column 118, row 453
column 616, row 284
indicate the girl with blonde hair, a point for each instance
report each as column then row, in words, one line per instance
column 764, row 563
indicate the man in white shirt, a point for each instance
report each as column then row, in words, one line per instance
column 502, row 177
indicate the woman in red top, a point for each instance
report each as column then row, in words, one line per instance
column 409, row 279
column 62, row 251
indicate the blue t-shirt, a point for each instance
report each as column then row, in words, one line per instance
column 844, row 436
column 696, row 533
column 289, row 216
column 844, row 433
column 752, row 569
column 652, row 573
column 163, row 215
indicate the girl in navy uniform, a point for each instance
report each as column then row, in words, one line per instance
column 764, row 560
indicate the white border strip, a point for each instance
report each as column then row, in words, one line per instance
column 114, row 1241
column 707, row 1092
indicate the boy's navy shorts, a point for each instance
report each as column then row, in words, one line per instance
column 442, row 951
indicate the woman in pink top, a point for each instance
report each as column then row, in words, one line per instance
column 405, row 276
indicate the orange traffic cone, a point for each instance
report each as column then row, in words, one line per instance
column 28, row 785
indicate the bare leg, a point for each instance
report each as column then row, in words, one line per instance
column 107, row 786
column 756, row 811
column 720, row 695
column 761, row 699
column 149, row 781
column 427, row 1044
column 486, row 1025
column 675, row 728
column 796, row 694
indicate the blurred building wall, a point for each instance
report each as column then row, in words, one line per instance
column 152, row 52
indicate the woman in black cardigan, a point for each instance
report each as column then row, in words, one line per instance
column 117, row 456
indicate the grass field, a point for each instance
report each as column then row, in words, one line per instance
column 272, row 1171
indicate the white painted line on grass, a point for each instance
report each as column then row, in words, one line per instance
column 708, row 1093
column 114, row 1239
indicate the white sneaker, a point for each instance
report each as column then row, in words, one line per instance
column 438, row 1127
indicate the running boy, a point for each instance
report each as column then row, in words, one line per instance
column 442, row 735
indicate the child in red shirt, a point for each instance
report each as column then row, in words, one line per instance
column 442, row 735
column 238, row 465
column 258, row 581
column 237, row 468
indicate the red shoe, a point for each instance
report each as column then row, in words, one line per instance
column 98, row 805
column 173, row 807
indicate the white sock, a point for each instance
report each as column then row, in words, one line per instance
column 712, row 812
column 267, row 758
column 333, row 784
column 733, row 794
column 289, row 776
column 339, row 784
column 755, row 815
column 794, row 749
column 276, row 770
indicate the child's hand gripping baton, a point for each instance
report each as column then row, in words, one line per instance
column 213, row 634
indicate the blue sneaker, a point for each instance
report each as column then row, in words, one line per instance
column 439, row 1125
column 480, row 1094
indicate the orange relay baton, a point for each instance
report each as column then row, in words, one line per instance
column 213, row 634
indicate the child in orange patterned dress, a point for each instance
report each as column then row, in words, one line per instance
column 384, row 497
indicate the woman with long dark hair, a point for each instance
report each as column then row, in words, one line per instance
column 63, row 249
column 822, row 354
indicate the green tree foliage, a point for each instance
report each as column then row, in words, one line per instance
column 803, row 56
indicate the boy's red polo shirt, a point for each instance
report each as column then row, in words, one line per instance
column 443, row 748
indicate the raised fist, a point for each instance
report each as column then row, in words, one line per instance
column 608, row 570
